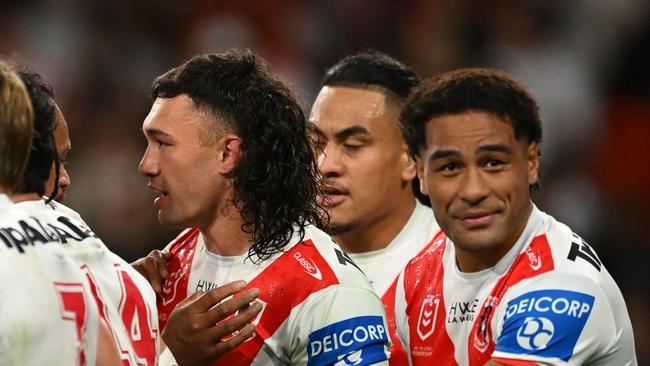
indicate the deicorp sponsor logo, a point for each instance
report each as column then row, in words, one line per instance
column 545, row 323
column 355, row 341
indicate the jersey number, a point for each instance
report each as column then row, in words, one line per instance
column 73, row 308
column 134, row 314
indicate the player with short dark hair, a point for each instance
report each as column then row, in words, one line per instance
column 368, row 171
column 229, row 156
column 503, row 283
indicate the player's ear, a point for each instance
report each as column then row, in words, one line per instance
column 420, row 171
column 409, row 168
column 532, row 154
column 230, row 153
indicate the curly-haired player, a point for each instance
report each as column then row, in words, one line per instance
column 503, row 283
column 229, row 156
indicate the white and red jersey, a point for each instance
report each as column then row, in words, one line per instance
column 382, row 267
column 548, row 301
column 318, row 307
column 47, row 313
column 125, row 298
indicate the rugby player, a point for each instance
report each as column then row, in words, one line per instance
column 47, row 313
column 368, row 171
column 229, row 156
column 125, row 298
column 503, row 283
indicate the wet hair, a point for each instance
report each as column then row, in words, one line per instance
column 44, row 152
column 375, row 70
column 276, row 182
column 488, row 90
column 16, row 125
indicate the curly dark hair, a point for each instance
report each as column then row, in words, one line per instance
column 276, row 182
column 463, row 90
column 43, row 153
column 376, row 70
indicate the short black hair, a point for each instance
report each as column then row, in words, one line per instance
column 372, row 69
column 43, row 153
column 276, row 183
column 463, row 90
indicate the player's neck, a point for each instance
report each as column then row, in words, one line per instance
column 224, row 236
column 21, row 197
column 379, row 233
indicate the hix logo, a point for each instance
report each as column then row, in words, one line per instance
column 535, row 333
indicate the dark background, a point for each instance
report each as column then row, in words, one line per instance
column 587, row 63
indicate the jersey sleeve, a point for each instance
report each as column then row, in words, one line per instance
column 554, row 319
column 341, row 325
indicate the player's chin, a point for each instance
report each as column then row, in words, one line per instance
column 168, row 220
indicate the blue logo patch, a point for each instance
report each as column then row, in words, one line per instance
column 356, row 341
column 545, row 323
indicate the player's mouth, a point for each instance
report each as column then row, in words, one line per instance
column 473, row 220
column 334, row 195
column 161, row 195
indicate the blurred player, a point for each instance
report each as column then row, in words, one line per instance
column 504, row 283
column 229, row 157
column 375, row 216
column 124, row 297
column 47, row 313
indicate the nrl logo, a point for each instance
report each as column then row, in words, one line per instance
column 428, row 315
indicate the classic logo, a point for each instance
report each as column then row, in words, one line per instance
column 309, row 265
column 535, row 260
column 428, row 315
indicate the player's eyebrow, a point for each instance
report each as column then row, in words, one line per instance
column 494, row 148
column 154, row 132
column 352, row 130
column 442, row 154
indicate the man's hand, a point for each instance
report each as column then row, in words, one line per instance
column 154, row 268
column 193, row 332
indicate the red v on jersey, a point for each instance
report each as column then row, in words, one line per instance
column 426, row 310
column 535, row 260
column 284, row 284
column 423, row 280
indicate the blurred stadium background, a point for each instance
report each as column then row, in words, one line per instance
column 586, row 61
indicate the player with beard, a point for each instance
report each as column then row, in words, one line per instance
column 368, row 171
column 46, row 306
column 503, row 283
column 229, row 155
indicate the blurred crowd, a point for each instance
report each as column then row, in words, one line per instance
column 586, row 62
